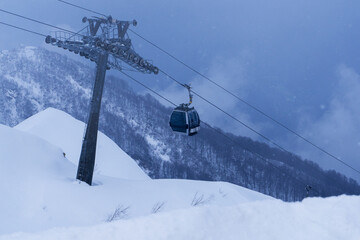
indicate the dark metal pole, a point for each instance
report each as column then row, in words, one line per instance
column 87, row 158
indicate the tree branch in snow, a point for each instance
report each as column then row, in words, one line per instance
column 119, row 213
column 199, row 199
column 157, row 207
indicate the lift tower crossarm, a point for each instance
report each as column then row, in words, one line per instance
column 104, row 35
column 105, row 42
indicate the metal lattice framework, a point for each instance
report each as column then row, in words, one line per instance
column 103, row 35
column 104, row 41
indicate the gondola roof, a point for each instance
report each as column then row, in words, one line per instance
column 183, row 107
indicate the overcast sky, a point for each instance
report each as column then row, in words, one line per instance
column 298, row 61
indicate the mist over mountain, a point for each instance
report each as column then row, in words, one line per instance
column 33, row 79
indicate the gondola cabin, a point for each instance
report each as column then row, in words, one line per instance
column 185, row 120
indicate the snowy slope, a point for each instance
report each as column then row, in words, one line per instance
column 61, row 129
column 39, row 190
column 334, row 218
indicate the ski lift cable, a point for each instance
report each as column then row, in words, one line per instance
column 228, row 114
column 223, row 134
column 86, row 9
column 250, row 105
column 37, row 21
column 23, row 29
column 77, row 33
column 232, row 94
column 166, row 99
column 252, row 129
column 307, row 186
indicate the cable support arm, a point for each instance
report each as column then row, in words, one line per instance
column 105, row 36
column 188, row 87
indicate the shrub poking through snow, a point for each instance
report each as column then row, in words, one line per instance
column 120, row 212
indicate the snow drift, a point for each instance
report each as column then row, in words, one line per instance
column 61, row 129
column 39, row 190
column 333, row 218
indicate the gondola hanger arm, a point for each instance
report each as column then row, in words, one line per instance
column 188, row 87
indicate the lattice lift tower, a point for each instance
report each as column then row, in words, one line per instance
column 104, row 41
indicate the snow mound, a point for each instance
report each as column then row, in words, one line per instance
column 39, row 190
column 331, row 218
column 61, row 129
column 28, row 166
column 22, row 155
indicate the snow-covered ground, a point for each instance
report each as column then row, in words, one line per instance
column 40, row 198
column 332, row 218
column 39, row 191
